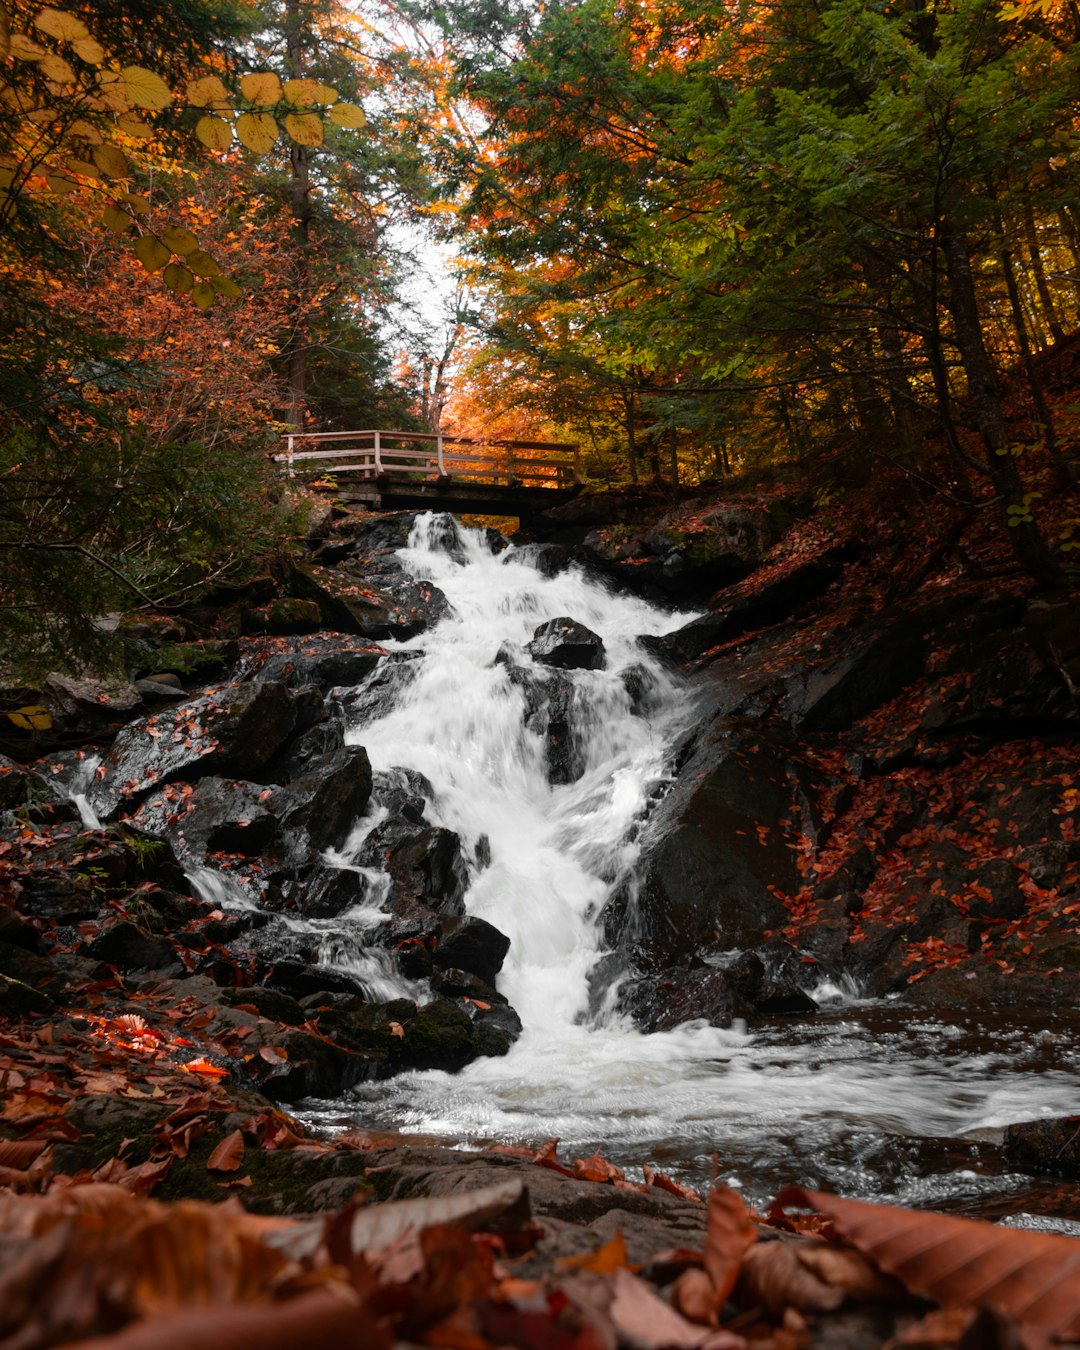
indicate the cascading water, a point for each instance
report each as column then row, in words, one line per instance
column 843, row 1100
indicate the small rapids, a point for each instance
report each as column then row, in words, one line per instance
column 863, row 1098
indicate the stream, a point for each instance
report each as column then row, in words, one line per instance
column 866, row 1098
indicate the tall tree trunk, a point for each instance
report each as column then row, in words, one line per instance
column 1046, row 300
column 630, row 423
column 1027, row 543
column 1038, row 397
column 299, row 339
column 673, row 457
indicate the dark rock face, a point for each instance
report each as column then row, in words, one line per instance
column 567, row 645
column 1049, row 1146
column 323, row 662
column 473, row 945
column 238, row 728
column 549, row 699
column 20, row 787
column 681, row 994
column 426, row 866
column 705, row 882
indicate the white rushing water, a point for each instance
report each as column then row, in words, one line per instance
column 822, row 1101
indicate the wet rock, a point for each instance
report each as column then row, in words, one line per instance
column 1044, row 862
column 15, row 931
column 331, row 890
column 1048, row 1146
column 301, row 753
column 712, row 860
column 349, row 603
column 311, row 1066
column 213, row 815
column 471, row 944
column 549, row 699
column 643, row 689
column 287, row 615
column 21, row 787
column 679, row 995
column 127, row 947
column 84, row 705
column 379, row 692
column 27, row 967
column 271, row 1003
column 324, row 662
column 66, row 899
column 161, row 689
column 326, row 801
column 731, row 616
column 399, row 1035
column 404, row 793
column 237, row 728
column 567, row 645
column 994, row 892
column 426, row 866
column 771, row 980
column 301, row 979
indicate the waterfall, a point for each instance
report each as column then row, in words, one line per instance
column 821, row 1100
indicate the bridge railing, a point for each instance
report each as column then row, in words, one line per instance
column 430, row 456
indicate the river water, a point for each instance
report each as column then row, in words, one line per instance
column 865, row 1098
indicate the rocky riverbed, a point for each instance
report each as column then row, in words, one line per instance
column 875, row 791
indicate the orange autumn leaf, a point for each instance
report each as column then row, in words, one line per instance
column 606, row 1260
column 228, row 1155
column 205, row 1067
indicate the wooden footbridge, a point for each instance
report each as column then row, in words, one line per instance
column 391, row 470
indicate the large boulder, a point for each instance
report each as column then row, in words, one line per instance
column 236, row 729
column 567, row 645
column 426, row 865
column 473, row 945
column 715, row 858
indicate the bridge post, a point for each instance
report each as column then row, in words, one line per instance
column 290, row 472
column 378, row 456
column 439, row 455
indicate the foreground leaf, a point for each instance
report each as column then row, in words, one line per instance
column 1033, row 1278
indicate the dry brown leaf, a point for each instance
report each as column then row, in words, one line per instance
column 596, row 1168
column 19, row 1154
column 728, row 1237
column 317, row 1319
column 643, row 1318
column 775, row 1279
column 1033, row 1278
column 663, row 1182
column 229, row 1154
column 694, row 1295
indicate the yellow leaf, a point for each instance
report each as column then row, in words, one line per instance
column 31, row 718
column 151, row 252
column 56, row 182
column 145, row 88
column 111, row 161
column 60, row 25
column 325, row 94
column 82, row 168
column 208, row 92
column 178, row 279
column 24, row 48
column 56, row 68
column 202, row 264
column 214, row 132
column 86, row 49
column 134, row 126
column 178, row 239
column 116, row 218
column 227, row 287
column 85, row 131
column 347, row 115
column 203, row 294
column 258, row 131
column 305, row 128
column 261, row 88
column 140, row 205
column 301, row 93
column 113, row 92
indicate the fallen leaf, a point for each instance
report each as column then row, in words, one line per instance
column 604, row 1261
column 228, row 1155
column 396, row 1029
column 646, row 1320
column 1032, row 1278
column 728, row 1237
